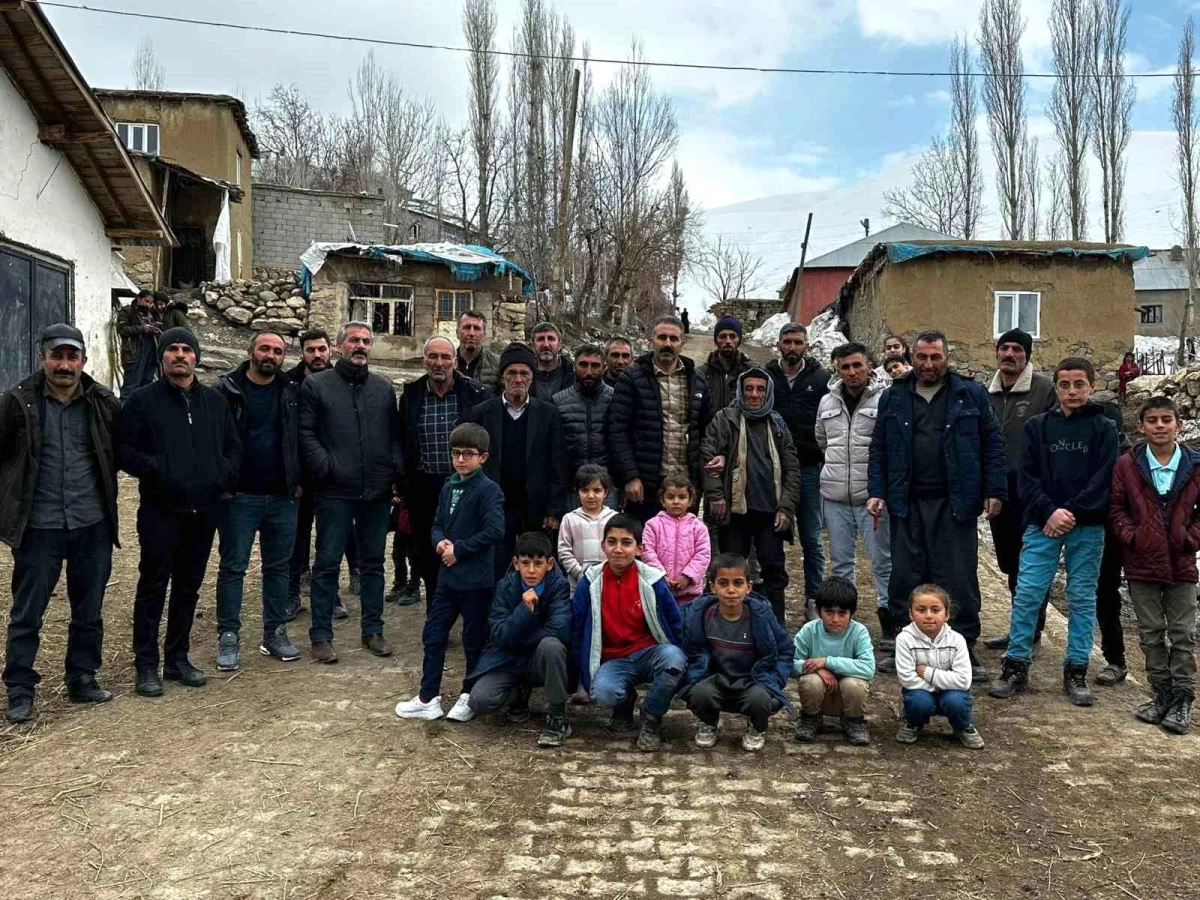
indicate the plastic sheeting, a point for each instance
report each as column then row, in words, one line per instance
column 900, row 252
column 221, row 240
column 468, row 262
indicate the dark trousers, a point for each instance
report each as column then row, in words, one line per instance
column 644, row 510
column 447, row 605
column 930, row 545
column 421, row 499
column 337, row 519
column 1108, row 602
column 37, row 565
column 404, row 561
column 300, row 551
column 547, row 668
column 716, row 694
column 175, row 548
column 757, row 530
column 516, row 522
column 273, row 519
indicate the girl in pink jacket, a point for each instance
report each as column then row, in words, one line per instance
column 676, row 542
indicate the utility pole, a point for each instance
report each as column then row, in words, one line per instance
column 795, row 310
column 561, row 228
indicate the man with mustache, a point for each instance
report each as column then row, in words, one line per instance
column 350, row 446
column 58, row 459
column 265, row 408
column 584, row 410
column 553, row 372
column 472, row 358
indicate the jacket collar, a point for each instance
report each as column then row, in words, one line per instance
column 875, row 386
column 1189, row 459
column 1021, row 386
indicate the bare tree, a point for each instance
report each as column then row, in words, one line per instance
column 1000, row 30
column 964, row 139
column 291, row 133
column 1069, row 109
column 727, row 271
column 935, row 199
column 1056, row 215
column 683, row 219
column 479, row 29
column 1187, row 156
column 1112, row 96
column 148, row 73
column 1031, row 184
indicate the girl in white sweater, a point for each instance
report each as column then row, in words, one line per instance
column 581, row 532
column 934, row 669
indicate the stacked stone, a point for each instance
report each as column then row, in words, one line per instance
column 274, row 304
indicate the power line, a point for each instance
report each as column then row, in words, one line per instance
column 549, row 57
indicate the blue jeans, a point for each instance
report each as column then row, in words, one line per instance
column 368, row 520
column 1082, row 548
column 273, row 518
column 846, row 523
column 661, row 665
column 809, row 527
column 921, row 706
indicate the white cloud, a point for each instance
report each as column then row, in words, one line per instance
column 924, row 22
column 723, row 167
column 937, row 97
column 1148, row 88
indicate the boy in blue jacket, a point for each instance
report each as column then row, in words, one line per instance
column 625, row 632
column 467, row 529
column 530, row 629
column 739, row 656
column 1065, row 480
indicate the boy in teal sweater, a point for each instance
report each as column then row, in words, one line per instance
column 835, row 663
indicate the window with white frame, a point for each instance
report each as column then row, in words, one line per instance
column 1152, row 313
column 388, row 307
column 452, row 304
column 1018, row 309
column 139, row 136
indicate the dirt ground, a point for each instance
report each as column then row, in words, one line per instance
column 296, row 781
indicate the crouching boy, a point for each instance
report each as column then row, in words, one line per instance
column 739, row 656
column 835, row 663
column 1154, row 515
column 625, row 631
column 530, row 627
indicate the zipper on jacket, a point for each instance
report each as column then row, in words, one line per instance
column 187, row 402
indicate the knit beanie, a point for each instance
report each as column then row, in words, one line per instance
column 727, row 323
column 1017, row 336
column 517, row 353
column 178, row 336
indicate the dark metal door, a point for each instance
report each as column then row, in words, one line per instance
column 187, row 260
column 33, row 295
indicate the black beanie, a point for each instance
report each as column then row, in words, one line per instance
column 177, row 336
column 1017, row 336
column 517, row 353
column 727, row 323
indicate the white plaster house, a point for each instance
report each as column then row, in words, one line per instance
column 68, row 193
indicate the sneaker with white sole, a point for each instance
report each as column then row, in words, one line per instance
column 706, row 735
column 461, row 711
column 416, row 708
column 970, row 738
column 908, row 734
column 753, row 740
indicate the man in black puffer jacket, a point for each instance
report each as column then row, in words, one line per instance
column 350, row 446
column 655, row 420
column 584, row 411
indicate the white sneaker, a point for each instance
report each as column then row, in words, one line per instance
column 706, row 735
column 461, row 711
column 416, row 708
column 753, row 741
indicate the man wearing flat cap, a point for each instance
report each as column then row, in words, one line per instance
column 58, row 464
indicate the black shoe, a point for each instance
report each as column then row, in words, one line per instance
column 410, row 596
column 855, row 730
column 1113, row 673
column 1013, row 677
column 148, row 683
column 1154, row 710
column 87, row 691
column 518, row 711
column 294, row 607
column 887, row 664
column 355, row 584
column 622, row 718
column 20, row 709
column 555, row 731
column 340, row 611
column 1179, row 719
column 650, row 733
column 185, row 673
column 1075, row 684
column 805, row 729
column 887, row 629
column 1000, row 642
column 979, row 674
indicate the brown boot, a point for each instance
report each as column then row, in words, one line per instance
column 377, row 645
column 323, row 652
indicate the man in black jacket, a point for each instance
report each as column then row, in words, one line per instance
column 800, row 383
column 725, row 365
column 553, row 372
column 618, row 356
column 178, row 438
column 350, row 446
column 584, row 411
column 656, row 419
column 266, row 410
column 58, row 461
column 526, row 457
column 430, row 409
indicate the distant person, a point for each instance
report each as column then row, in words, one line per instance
column 473, row 359
column 138, row 329
column 58, row 462
column 171, row 313
column 893, row 345
column 1128, row 371
column 618, row 356
column 687, row 322
column 554, row 372
column 896, row 367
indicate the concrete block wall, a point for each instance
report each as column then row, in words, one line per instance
column 287, row 220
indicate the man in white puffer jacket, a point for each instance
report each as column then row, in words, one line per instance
column 845, row 423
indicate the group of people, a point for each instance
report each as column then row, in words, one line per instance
column 618, row 582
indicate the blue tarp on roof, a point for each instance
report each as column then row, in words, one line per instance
column 899, row 252
column 468, row 262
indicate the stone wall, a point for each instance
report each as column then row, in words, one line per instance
column 751, row 313
column 287, row 220
column 274, row 304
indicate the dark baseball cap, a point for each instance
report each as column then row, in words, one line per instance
column 61, row 335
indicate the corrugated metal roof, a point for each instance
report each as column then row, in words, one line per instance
column 1160, row 273
column 849, row 256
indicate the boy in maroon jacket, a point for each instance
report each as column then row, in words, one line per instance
column 1154, row 512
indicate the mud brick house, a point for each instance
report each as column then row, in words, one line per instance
column 69, row 192
column 410, row 292
column 194, row 153
column 1074, row 298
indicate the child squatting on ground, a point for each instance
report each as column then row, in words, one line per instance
column 467, row 530
column 738, row 655
column 934, row 669
column 1154, row 515
column 581, row 533
column 834, row 662
column 677, row 542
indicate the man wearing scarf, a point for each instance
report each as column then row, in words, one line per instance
column 752, row 480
